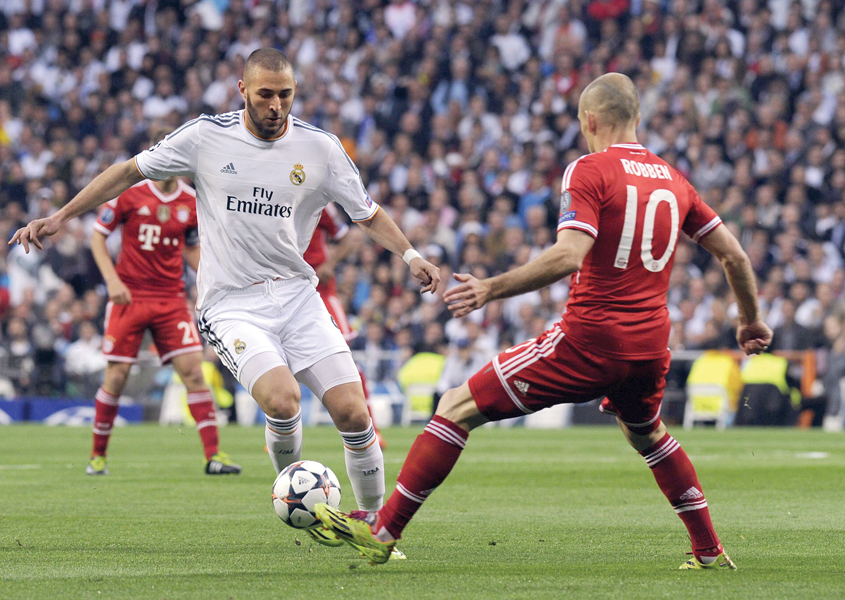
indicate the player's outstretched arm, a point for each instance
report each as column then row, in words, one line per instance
column 383, row 231
column 118, row 292
column 562, row 259
column 107, row 185
column 753, row 335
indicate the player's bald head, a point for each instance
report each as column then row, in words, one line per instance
column 613, row 98
column 266, row 59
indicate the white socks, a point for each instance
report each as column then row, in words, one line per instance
column 365, row 467
column 284, row 441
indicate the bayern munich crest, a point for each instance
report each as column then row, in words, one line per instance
column 297, row 176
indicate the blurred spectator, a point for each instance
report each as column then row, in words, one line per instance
column 462, row 117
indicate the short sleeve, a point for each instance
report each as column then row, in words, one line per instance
column 346, row 187
column 109, row 217
column 701, row 219
column 580, row 197
column 174, row 155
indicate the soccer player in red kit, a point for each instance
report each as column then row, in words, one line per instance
column 324, row 258
column 146, row 291
column 622, row 210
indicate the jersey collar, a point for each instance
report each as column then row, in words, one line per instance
column 288, row 126
column 626, row 146
column 165, row 197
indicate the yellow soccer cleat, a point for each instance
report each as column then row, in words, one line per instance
column 354, row 529
column 324, row 536
column 97, row 465
column 221, row 464
column 723, row 561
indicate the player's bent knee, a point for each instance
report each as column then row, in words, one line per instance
column 458, row 405
column 114, row 379
column 643, row 440
column 347, row 407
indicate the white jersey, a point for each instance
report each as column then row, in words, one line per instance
column 258, row 201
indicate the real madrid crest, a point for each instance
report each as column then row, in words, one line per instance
column 297, row 176
column 239, row 346
column 163, row 213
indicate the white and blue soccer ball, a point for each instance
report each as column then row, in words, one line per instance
column 299, row 487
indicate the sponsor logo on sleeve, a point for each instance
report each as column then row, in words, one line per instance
column 568, row 216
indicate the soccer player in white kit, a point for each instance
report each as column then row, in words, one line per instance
column 262, row 178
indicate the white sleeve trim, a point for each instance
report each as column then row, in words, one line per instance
column 579, row 225
column 102, row 228
column 710, row 226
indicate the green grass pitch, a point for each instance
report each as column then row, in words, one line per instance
column 526, row 514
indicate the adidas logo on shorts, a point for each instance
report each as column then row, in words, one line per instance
column 229, row 169
column 521, row 386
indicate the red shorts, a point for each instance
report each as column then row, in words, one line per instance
column 551, row 369
column 335, row 308
column 169, row 319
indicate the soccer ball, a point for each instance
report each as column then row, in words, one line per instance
column 299, row 487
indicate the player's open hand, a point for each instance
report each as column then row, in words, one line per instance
column 470, row 295
column 119, row 293
column 426, row 273
column 32, row 233
column 754, row 338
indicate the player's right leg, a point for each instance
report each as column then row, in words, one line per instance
column 105, row 412
column 277, row 393
column 124, row 330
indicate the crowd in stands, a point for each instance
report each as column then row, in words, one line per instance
column 461, row 117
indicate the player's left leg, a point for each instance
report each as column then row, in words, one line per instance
column 636, row 405
column 429, row 462
column 676, row 477
column 201, row 404
column 334, row 380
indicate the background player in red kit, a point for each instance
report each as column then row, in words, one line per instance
column 146, row 291
column 622, row 209
column 324, row 259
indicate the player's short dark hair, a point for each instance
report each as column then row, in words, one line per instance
column 614, row 97
column 268, row 59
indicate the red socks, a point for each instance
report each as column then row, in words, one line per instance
column 676, row 477
column 201, row 405
column 429, row 461
column 105, row 411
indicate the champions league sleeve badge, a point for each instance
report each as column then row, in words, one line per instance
column 297, row 176
column 565, row 201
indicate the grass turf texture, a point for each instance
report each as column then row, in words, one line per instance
column 525, row 514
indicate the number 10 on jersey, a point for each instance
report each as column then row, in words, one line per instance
column 623, row 252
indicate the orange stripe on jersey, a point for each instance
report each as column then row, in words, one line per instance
column 370, row 217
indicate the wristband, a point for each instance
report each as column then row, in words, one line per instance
column 410, row 254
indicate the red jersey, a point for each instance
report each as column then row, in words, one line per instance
column 156, row 228
column 330, row 226
column 634, row 205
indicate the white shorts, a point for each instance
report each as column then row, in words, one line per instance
column 285, row 317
